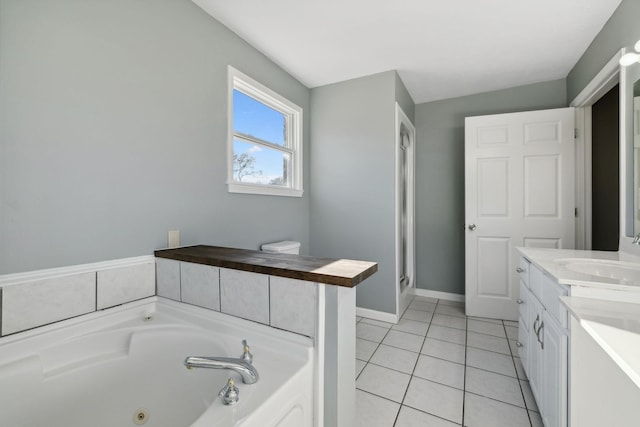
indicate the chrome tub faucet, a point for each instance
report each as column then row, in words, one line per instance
column 242, row 365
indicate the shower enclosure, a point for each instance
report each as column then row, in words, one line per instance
column 405, row 210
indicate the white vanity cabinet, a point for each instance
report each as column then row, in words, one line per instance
column 543, row 341
column 554, row 384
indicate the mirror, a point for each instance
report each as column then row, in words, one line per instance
column 630, row 148
column 636, row 156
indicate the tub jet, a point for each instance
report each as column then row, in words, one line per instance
column 140, row 417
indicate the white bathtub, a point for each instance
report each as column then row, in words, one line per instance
column 111, row 368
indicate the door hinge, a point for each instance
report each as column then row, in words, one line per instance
column 575, row 133
column 575, row 212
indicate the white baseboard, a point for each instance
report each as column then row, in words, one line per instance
column 383, row 316
column 437, row 294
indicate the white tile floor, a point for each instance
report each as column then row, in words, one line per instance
column 438, row 367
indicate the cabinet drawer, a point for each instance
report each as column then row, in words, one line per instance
column 523, row 305
column 523, row 270
column 551, row 293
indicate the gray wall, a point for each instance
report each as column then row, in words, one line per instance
column 353, row 179
column 440, row 175
column 440, row 156
column 113, row 120
column 622, row 30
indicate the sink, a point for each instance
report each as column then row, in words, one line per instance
column 617, row 270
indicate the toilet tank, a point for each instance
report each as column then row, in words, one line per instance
column 284, row 247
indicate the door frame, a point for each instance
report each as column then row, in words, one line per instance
column 404, row 298
column 603, row 82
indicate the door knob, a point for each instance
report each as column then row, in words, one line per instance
column 519, row 270
column 472, row 227
column 519, row 301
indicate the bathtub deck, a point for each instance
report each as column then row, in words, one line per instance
column 339, row 272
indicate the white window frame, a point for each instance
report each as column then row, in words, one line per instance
column 293, row 114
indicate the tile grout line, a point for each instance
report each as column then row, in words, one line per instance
column 466, row 346
column 492, row 372
column 404, row 395
column 524, row 400
column 435, row 382
column 416, row 362
column 464, row 378
column 410, row 375
column 374, row 351
column 365, row 367
column 501, row 401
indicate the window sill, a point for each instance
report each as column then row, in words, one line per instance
column 263, row 190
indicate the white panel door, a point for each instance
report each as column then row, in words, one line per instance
column 519, row 191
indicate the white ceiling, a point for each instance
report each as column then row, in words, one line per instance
column 440, row 48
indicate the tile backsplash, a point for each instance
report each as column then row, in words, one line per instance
column 244, row 294
column 33, row 299
column 293, row 304
column 200, row 285
column 168, row 278
column 42, row 297
column 120, row 285
column 279, row 302
column 40, row 302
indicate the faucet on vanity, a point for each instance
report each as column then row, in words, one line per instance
column 242, row 365
column 636, row 239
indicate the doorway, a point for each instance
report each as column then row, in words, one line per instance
column 606, row 81
column 605, row 171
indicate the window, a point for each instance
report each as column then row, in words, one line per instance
column 265, row 140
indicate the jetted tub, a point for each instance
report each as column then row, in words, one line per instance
column 119, row 368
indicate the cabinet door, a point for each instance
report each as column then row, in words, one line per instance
column 535, row 351
column 553, row 373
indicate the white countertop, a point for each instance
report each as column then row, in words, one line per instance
column 615, row 326
column 554, row 262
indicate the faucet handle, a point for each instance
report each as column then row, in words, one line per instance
column 246, row 355
column 229, row 393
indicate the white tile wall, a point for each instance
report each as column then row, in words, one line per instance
column 120, row 285
column 200, row 285
column 280, row 302
column 37, row 303
column 168, row 278
column 244, row 294
column 293, row 305
column 33, row 299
